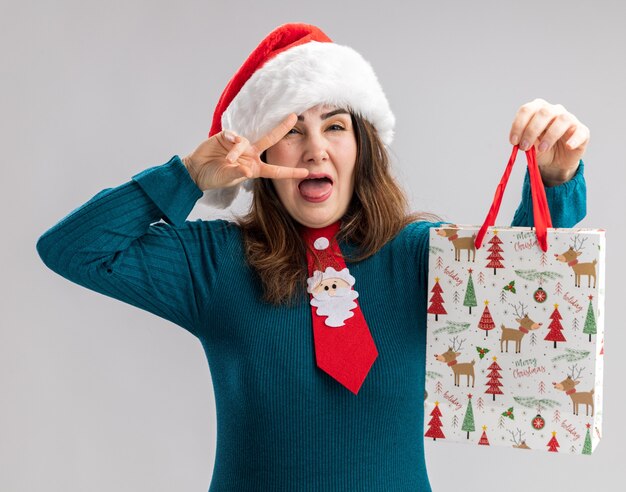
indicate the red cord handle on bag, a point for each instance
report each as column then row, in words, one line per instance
column 541, row 212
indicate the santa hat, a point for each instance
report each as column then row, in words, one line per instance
column 294, row 68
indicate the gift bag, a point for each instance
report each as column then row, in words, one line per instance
column 515, row 332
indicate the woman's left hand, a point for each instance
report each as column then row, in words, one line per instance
column 559, row 139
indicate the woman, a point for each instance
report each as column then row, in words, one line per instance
column 311, row 308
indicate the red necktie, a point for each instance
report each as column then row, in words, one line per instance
column 344, row 347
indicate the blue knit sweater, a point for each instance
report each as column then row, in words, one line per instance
column 282, row 424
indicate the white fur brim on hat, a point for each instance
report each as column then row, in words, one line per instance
column 298, row 79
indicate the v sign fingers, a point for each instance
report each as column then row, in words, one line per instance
column 272, row 171
column 246, row 161
column 282, row 172
column 226, row 159
column 278, row 132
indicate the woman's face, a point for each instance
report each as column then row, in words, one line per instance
column 322, row 141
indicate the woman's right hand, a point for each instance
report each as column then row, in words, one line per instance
column 227, row 159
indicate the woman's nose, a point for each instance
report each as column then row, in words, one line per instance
column 316, row 150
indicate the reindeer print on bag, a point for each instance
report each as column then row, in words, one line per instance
column 518, row 439
column 459, row 243
column 571, row 258
column 516, row 334
column 569, row 386
column 463, row 368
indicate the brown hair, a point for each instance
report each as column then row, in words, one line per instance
column 375, row 215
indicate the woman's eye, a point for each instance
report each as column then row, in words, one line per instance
column 337, row 127
column 334, row 127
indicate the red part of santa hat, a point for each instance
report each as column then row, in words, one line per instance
column 279, row 40
column 296, row 67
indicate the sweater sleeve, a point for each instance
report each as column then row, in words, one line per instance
column 567, row 202
column 114, row 244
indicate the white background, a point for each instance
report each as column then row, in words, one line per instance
column 97, row 395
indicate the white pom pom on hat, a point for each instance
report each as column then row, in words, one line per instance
column 296, row 67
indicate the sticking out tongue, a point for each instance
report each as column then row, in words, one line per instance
column 315, row 188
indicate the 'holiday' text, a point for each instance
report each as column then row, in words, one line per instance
column 571, row 429
column 453, row 400
column 453, row 275
column 572, row 301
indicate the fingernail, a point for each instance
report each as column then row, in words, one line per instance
column 514, row 139
column 572, row 144
column 524, row 145
column 229, row 136
column 543, row 146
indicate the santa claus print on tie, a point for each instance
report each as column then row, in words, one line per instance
column 333, row 295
